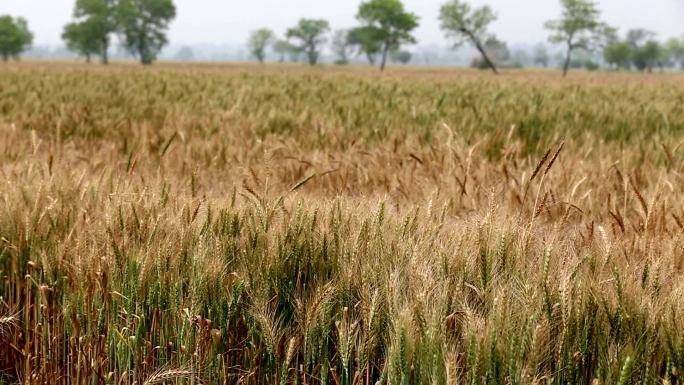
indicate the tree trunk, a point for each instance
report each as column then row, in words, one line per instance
column 385, row 51
column 485, row 57
column 568, row 58
column 371, row 58
column 145, row 57
column 312, row 56
column 105, row 54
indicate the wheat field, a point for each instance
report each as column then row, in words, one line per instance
column 236, row 224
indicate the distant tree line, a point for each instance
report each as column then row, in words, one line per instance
column 639, row 50
column 384, row 28
column 140, row 25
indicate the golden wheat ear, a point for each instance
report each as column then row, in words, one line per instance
column 163, row 376
column 8, row 322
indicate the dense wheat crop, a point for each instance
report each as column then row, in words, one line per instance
column 243, row 225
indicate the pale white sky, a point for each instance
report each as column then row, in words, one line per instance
column 229, row 21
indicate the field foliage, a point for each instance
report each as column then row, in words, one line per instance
column 243, row 225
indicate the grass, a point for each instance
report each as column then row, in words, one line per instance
column 243, row 225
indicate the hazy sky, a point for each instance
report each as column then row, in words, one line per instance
column 229, row 21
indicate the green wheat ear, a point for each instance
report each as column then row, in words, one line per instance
column 626, row 372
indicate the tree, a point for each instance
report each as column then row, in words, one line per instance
column 79, row 38
column 581, row 58
column 284, row 47
column 578, row 28
column 143, row 25
column 520, row 59
column 638, row 37
column 15, row 37
column 665, row 59
column 618, row 54
column 464, row 24
column 390, row 24
column 496, row 50
column 185, row 53
column 259, row 41
column 648, row 55
column 365, row 39
column 341, row 46
column 401, row 56
column 541, row 56
column 675, row 49
column 89, row 33
column 311, row 35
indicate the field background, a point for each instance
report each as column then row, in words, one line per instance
column 244, row 224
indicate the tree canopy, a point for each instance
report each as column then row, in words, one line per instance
column 89, row 33
column 639, row 36
column 401, row 56
column 259, row 41
column 463, row 23
column 311, row 36
column 15, row 37
column 143, row 25
column 647, row 56
column 579, row 27
column 284, row 48
column 365, row 41
column 618, row 54
column 341, row 46
column 387, row 24
column 81, row 38
column 675, row 48
column 640, row 50
column 541, row 56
